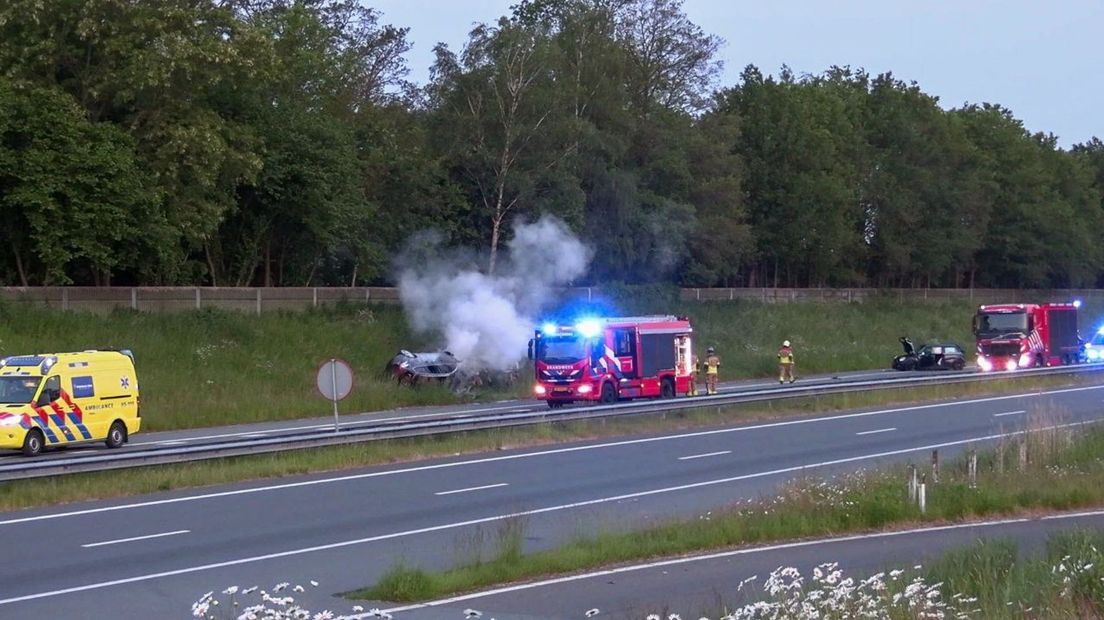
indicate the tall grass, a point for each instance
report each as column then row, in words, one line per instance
column 211, row 368
column 1065, row 581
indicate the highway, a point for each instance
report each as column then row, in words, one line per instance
column 158, row 553
column 201, row 436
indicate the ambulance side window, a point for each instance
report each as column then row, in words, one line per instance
column 51, row 391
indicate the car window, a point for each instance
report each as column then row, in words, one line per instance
column 937, row 350
column 953, row 350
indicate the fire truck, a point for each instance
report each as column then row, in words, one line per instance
column 1011, row 336
column 609, row 359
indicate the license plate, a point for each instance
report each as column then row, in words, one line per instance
column 561, row 390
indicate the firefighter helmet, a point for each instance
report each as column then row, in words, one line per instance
column 785, row 343
column 710, row 350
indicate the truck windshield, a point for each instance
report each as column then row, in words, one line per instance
column 18, row 390
column 995, row 324
column 561, row 350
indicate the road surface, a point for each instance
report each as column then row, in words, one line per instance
column 157, row 553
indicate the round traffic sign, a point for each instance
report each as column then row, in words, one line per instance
column 335, row 379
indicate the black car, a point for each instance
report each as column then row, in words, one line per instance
column 932, row 356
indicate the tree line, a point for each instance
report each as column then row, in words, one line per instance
column 279, row 142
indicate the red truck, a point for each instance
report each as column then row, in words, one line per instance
column 609, row 359
column 1011, row 336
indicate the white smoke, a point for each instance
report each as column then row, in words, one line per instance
column 484, row 319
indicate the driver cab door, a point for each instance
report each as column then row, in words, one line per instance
column 624, row 349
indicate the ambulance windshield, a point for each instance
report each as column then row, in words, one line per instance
column 18, row 390
column 561, row 349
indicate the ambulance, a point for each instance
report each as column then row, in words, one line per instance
column 62, row 399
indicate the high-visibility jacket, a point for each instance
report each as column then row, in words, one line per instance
column 785, row 355
column 712, row 364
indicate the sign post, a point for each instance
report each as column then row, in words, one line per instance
column 334, row 382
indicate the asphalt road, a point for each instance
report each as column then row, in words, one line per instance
column 157, row 553
column 275, row 429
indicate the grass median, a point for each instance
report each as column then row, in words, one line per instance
column 19, row 494
column 1060, row 469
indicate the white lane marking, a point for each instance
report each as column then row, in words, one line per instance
column 880, row 430
column 136, row 538
column 1001, row 415
column 512, row 515
column 726, row 554
column 527, row 455
column 469, row 489
column 702, row 456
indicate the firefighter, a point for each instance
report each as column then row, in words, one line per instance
column 785, row 363
column 695, row 371
column 712, row 367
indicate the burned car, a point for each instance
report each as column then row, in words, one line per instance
column 932, row 356
column 412, row 368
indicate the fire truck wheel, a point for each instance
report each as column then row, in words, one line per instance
column 668, row 389
column 609, row 395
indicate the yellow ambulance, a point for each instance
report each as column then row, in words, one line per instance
column 62, row 399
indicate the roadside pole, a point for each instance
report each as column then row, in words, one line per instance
column 334, row 382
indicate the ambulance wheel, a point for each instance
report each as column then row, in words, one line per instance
column 116, row 437
column 668, row 389
column 609, row 395
column 32, row 443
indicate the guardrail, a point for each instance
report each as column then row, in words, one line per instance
column 451, row 423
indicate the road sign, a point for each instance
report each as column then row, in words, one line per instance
column 334, row 382
column 335, row 379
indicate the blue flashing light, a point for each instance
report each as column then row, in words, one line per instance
column 1100, row 331
column 548, row 329
column 589, row 328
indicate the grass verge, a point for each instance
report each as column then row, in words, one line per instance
column 1063, row 470
column 1066, row 580
column 19, row 494
column 213, row 368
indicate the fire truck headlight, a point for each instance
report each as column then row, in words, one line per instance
column 1025, row 360
column 985, row 364
column 585, row 389
column 588, row 328
column 1011, row 365
column 539, row 390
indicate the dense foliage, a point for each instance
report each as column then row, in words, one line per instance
column 278, row 142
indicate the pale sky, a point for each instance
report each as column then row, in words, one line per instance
column 1040, row 59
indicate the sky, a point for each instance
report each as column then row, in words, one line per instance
column 1040, row 59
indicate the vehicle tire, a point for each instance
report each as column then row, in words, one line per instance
column 33, row 443
column 667, row 389
column 609, row 394
column 958, row 364
column 116, row 435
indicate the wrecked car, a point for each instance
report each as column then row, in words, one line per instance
column 412, row 368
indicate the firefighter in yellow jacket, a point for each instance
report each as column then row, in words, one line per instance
column 785, row 363
column 712, row 368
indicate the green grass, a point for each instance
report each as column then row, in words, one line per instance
column 19, row 494
column 213, row 368
column 1064, row 471
column 1052, row 584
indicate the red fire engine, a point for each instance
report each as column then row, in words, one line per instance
column 613, row 358
column 1011, row 336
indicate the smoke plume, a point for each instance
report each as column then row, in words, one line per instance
column 486, row 319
